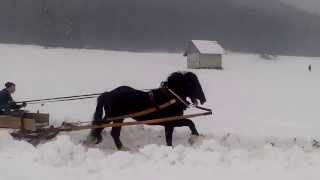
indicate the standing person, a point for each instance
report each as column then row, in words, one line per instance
column 6, row 102
column 309, row 67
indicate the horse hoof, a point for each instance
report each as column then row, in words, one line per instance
column 91, row 140
column 194, row 139
column 124, row 148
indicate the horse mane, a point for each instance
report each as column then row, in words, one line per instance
column 174, row 80
column 185, row 84
column 177, row 81
column 177, row 78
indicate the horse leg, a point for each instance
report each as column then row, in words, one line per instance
column 190, row 124
column 115, row 133
column 194, row 132
column 184, row 122
column 168, row 134
column 97, row 132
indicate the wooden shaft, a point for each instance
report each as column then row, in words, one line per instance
column 177, row 96
column 153, row 121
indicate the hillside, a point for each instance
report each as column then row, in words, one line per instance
column 149, row 25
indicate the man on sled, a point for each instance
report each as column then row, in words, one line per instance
column 7, row 105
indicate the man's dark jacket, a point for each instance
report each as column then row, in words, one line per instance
column 6, row 101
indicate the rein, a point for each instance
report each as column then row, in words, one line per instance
column 89, row 96
column 58, row 99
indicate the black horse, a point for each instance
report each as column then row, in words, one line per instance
column 125, row 100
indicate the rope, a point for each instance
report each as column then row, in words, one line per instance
column 89, row 96
column 84, row 96
column 64, row 98
column 60, row 100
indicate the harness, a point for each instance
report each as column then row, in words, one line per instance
column 167, row 92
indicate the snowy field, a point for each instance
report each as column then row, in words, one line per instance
column 266, row 114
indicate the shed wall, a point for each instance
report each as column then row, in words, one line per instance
column 210, row 61
column 193, row 60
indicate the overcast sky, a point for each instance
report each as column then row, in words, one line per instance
column 309, row 5
column 272, row 26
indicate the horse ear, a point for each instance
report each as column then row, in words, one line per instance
column 163, row 84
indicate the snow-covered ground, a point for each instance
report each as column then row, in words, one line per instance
column 265, row 117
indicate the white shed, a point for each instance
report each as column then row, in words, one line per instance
column 204, row 54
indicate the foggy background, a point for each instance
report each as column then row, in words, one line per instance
column 287, row 27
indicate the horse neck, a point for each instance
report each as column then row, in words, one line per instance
column 178, row 92
column 160, row 95
column 165, row 95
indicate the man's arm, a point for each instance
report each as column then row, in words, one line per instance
column 13, row 105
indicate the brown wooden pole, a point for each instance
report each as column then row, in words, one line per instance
column 150, row 122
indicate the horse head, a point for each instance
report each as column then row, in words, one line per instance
column 186, row 85
column 194, row 88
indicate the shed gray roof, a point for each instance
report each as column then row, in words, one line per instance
column 204, row 47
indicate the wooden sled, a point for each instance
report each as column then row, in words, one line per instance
column 24, row 121
column 31, row 127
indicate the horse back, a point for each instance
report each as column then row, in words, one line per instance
column 124, row 100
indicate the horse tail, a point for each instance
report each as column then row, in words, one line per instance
column 97, row 117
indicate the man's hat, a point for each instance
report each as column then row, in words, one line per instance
column 9, row 84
